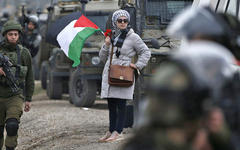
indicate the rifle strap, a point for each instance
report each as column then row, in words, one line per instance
column 18, row 62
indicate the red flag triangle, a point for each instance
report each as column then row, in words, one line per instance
column 85, row 22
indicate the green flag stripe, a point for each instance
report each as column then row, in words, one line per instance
column 75, row 48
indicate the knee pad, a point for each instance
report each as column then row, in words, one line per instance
column 1, row 131
column 12, row 127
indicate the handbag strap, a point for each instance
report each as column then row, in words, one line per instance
column 111, row 56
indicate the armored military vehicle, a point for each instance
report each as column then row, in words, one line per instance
column 55, row 11
column 83, row 82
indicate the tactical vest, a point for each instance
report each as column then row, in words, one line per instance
column 18, row 69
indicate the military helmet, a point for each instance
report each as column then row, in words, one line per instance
column 11, row 25
column 204, row 22
column 33, row 19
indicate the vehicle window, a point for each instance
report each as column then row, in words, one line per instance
column 100, row 21
column 165, row 10
column 232, row 7
column 174, row 7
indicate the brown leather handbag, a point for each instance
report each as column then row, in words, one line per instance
column 122, row 76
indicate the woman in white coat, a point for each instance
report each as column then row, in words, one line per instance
column 126, row 44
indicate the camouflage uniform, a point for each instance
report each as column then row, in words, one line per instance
column 151, row 138
column 11, row 103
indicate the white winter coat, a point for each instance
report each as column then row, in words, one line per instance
column 132, row 45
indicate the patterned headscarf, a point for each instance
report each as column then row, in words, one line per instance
column 119, row 13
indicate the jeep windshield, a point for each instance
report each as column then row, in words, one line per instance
column 99, row 18
column 164, row 10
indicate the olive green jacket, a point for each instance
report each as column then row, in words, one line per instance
column 155, row 138
column 26, row 72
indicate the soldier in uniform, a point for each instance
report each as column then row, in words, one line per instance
column 186, row 93
column 11, row 102
column 211, row 32
column 3, row 20
column 31, row 37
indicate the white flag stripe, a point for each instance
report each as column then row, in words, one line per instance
column 66, row 36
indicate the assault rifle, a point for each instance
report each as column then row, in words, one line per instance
column 6, row 64
column 24, row 18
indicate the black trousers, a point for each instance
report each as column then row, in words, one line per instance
column 117, row 108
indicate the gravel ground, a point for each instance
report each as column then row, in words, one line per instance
column 58, row 125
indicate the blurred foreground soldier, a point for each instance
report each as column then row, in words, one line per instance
column 31, row 37
column 16, row 76
column 186, row 94
column 205, row 29
column 178, row 97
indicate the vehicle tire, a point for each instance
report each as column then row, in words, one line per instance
column 35, row 69
column 70, row 101
column 54, row 86
column 43, row 74
column 82, row 91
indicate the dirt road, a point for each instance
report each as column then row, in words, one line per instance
column 58, row 125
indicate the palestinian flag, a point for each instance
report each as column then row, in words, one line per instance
column 72, row 37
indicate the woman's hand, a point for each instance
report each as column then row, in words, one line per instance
column 107, row 41
column 133, row 66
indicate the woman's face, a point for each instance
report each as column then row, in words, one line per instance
column 122, row 22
